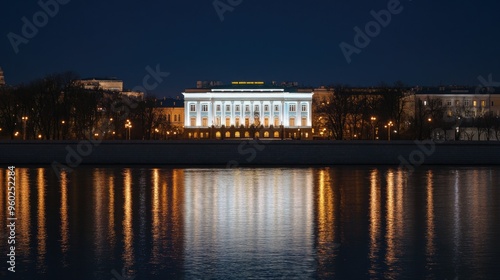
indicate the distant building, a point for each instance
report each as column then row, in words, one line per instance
column 463, row 101
column 170, row 117
column 468, row 111
column 110, row 84
column 2, row 78
column 248, row 110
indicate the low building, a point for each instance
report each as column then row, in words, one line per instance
column 248, row 110
column 170, row 117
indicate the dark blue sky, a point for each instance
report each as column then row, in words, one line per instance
column 427, row 43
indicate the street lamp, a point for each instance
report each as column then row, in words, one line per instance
column 25, row 119
column 373, row 119
column 388, row 126
column 129, row 126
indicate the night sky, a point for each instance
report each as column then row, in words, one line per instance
column 426, row 43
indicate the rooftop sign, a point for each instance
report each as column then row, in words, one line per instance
column 247, row 83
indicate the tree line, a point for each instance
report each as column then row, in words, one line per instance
column 58, row 107
column 395, row 112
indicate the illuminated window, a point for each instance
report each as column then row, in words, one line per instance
column 204, row 108
column 247, row 122
column 228, row 122
column 257, row 134
column 425, row 102
column 266, row 122
column 276, row 134
column 292, row 122
column 193, row 121
column 192, row 108
column 266, row 134
column 292, row 108
column 304, row 122
column 228, row 134
column 474, row 103
column 276, row 122
column 204, row 122
column 247, row 134
column 237, row 134
column 483, row 103
column 217, row 135
column 457, row 103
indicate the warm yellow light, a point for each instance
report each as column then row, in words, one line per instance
column 113, row 133
column 96, row 134
column 156, row 129
column 111, row 119
column 39, row 136
column 429, row 119
column 63, row 122
column 17, row 133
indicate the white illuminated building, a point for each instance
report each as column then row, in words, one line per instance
column 248, row 110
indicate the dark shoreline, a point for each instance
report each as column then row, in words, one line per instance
column 250, row 153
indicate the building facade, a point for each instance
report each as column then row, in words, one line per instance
column 247, row 110
column 170, row 118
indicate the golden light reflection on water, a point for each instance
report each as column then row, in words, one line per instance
column 155, row 215
column 394, row 219
column 325, row 218
column 111, row 212
column 99, row 201
column 430, row 250
column 64, row 218
column 23, row 196
column 375, row 219
column 41, row 219
column 128, row 232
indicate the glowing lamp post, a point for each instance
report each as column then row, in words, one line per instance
column 373, row 119
column 129, row 126
column 25, row 119
column 388, row 126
